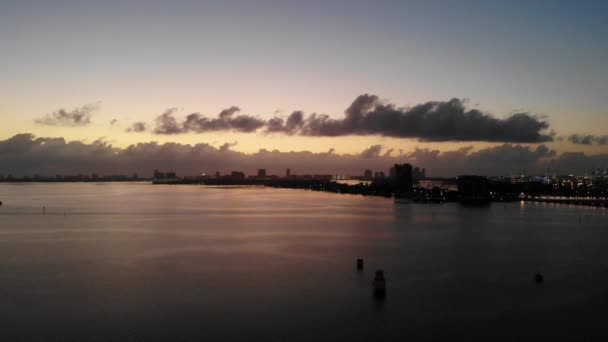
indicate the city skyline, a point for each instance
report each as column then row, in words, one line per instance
column 26, row 155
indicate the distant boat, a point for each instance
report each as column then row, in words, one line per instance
column 379, row 284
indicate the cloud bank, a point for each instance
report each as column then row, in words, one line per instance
column 25, row 154
column 78, row 117
column 226, row 120
column 367, row 115
column 137, row 127
column 430, row 121
column 588, row 139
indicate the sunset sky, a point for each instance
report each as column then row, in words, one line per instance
column 116, row 64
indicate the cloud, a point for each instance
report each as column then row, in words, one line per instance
column 367, row 115
column 588, row 139
column 388, row 152
column 25, row 154
column 293, row 124
column 227, row 146
column 113, row 122
column 430, row 121
column 166, row 123
column 226, row 120
column 76, row 118
column 371, row 152
column 578, row 162
column 138, row 126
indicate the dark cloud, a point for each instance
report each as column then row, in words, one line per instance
column 371, row 152
column 113, row 122
column 227, row 146
column 493, row 161
column 292, row 125
column 226, row 120
column 275, row 125
column 138, row 126
column 75, row 118
column 166, row 123
column 25, row 154
column 581, row 139
column 431, row 121
column 578, row 162
column 367, row 115
column 588, row 139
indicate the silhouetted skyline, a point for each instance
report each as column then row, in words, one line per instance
column 26, row 154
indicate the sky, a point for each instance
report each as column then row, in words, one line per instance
column 319, row 77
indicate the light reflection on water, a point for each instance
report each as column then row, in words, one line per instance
column 192, row 262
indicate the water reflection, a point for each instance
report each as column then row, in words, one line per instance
column 189, row 262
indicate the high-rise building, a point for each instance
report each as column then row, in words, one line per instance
column 401, row 175
column 367, row 174
column 418, row 174
column 237, row 174
column 261, row 172
column 288, row 173
column 158, row 175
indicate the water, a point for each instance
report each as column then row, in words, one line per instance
column 125, row 262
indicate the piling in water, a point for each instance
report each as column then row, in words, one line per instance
column 359, row 264
column 379, row 284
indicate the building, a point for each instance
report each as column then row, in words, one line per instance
column 401, row 176
column 237, row 175
column 288, row 173
column 159, row 175
column 367, row 174
column 418, row 174
column 431, row 184
column 261, row 173
column 379, row 174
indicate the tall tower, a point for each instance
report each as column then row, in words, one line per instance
column 401, row 175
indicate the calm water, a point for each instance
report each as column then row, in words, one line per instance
column 126, row 262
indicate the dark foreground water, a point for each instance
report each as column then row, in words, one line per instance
column 137, row 262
